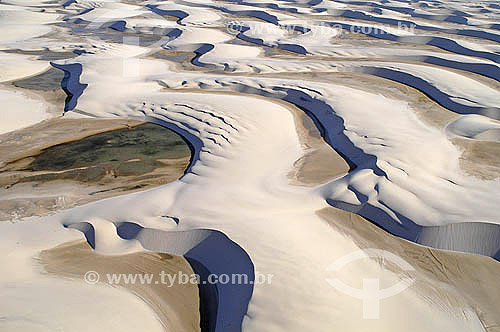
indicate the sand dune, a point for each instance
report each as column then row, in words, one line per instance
column 315, row 128
column 176, row 307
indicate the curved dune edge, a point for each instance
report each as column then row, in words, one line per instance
column 27, row 192
column 56, row 131
column 288, row 305
column 472, row 162
column 222, row 306
column 320, row 162
column 177, row 307
column 15, row 103
column 479, row 158
column 301, row 99
column 408, row 229
column 469, row 279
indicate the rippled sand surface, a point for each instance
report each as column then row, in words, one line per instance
column 332, row 145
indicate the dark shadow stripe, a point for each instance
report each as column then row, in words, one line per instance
column 71, row 83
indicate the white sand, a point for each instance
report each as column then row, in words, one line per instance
column 19, row 111
column 246, row 148
column 15, row 66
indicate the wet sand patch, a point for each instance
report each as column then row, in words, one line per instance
column 479, row 158
column 321, row 162
column 44, row 55
column 46, row 81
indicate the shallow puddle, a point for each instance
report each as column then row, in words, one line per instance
column 106, row 164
